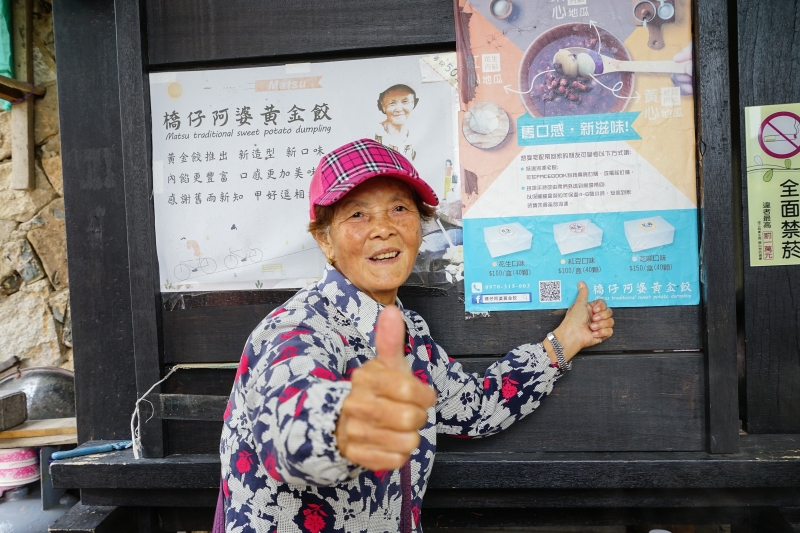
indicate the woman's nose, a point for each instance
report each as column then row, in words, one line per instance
column 382, row 226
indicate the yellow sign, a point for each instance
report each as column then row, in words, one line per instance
column 773, row 184
column 289, row 84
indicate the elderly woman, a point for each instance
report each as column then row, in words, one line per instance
column 340, row 393
column 397, row 102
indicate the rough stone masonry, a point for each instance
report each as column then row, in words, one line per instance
column 35, row 322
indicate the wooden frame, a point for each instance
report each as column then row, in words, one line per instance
column 125, row 336
column 159, row 337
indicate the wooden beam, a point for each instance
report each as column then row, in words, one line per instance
column 23, row 176
column 13, row 90
column 85, row 37
column 712, row 78
column 145, row 298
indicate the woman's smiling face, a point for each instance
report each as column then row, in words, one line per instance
column 397, row 105
column 375, row 236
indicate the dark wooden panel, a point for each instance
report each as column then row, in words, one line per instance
column 211, row 381
column 629, row 498
column 506, row 507
column 717, row 238
column 91, row 153
column 185, row 31
column 193, row 436
column 192, row 407
column 764, row 462
column 135, row 128
column 95, row 519
column 608, row 402
column 216, row 334
column 153, row 497
column 614, row 403
column 186, row 519
column 772, row 313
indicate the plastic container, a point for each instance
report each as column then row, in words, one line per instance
column 18, row 466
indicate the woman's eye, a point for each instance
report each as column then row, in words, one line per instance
column 400, row 208
column 357, row 214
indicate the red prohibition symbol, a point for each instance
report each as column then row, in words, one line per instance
column 779, row 135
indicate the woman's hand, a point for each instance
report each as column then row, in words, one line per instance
column 387, row 405
column 585, row 324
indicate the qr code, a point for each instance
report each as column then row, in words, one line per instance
column 550, row 291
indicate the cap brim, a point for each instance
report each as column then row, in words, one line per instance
column 420, row 187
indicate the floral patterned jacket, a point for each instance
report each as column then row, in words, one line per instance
column 281, row 469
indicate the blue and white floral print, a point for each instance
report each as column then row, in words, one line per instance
column 281, row 469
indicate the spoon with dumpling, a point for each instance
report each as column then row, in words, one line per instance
column 576, row 61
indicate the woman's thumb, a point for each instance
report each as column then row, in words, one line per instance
column 390, row 339
column 583, row 294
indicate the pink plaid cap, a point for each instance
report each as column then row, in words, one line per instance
column 354, row 163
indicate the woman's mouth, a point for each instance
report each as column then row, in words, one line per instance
column 384, row 256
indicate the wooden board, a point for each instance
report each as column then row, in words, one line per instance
column 94, row 200
column 41, row 428
column 185, row 31
column 771, row 310
column 217, row 334
column 136, row 165
column 608, row 402
column 23, row 176
column 717, row 251
column 52, row 440
column 764, row 462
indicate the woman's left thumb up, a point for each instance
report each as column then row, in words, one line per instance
column 583, row 294
column 390, row 339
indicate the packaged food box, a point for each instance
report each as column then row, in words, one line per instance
column 507, row 239
column 577, row 235
column 647, row 233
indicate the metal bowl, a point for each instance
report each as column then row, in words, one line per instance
column 50, row 391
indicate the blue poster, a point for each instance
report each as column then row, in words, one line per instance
column 577, row 152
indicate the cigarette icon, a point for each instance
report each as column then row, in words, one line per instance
column 773, row 138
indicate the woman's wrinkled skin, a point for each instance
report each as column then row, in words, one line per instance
column 373, row 241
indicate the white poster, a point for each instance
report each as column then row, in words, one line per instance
column 234, row 151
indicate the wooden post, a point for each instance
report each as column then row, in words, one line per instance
column 22, row 141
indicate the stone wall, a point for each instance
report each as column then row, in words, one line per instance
column 35, row 322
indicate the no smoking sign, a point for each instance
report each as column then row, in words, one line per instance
column 779, row 135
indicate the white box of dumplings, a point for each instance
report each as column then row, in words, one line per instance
column 507, row 239
column 646, row 233
column 577, row 235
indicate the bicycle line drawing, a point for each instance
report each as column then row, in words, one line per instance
column 232, row 260
column 185, row 268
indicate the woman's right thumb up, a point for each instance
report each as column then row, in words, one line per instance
column 390, row 339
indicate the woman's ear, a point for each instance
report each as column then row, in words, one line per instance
column 323, row 239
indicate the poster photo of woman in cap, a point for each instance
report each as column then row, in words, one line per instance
column 397, row 102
